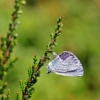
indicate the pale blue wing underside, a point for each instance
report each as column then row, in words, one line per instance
column 66, row 64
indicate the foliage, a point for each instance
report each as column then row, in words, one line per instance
column 81, row 35
column 7, row 45
column 34, row 71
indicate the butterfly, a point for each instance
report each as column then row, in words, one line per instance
column 66, row 64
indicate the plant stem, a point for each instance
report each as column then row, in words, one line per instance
column 36, row 72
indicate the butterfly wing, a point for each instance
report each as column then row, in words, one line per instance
column 69, row 65
column 52, row 65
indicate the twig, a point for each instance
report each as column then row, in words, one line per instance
column 34, row 72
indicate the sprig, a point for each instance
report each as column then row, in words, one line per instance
column 11, row 36
column 8, row 95
column 34, row 71
column 51, row 44
column 17, row 96
column 5, row 96
column 8, row 43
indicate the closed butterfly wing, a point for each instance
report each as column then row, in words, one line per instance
column 53, row 64
column 69, row 65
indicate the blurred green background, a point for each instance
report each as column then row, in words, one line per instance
column 81, row 35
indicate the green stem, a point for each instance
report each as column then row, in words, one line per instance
column 33, row 78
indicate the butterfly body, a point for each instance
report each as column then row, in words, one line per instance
column 66, row 64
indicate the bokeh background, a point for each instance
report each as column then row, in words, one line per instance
column 81, row 35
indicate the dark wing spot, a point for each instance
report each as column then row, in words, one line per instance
column 65, row 55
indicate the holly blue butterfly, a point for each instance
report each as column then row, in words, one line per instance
column 66, row 64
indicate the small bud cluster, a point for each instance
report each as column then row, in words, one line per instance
column 5, row 96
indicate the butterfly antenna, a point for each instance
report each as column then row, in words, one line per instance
column 43, row 74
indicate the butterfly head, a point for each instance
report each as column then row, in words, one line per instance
column 49, row 68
